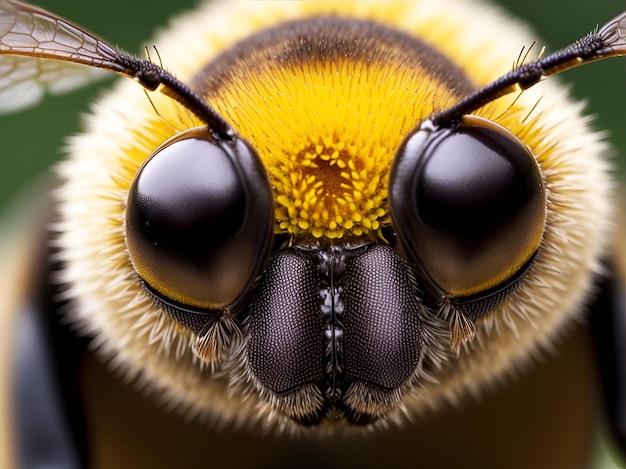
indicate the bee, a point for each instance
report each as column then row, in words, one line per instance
column 306, row 219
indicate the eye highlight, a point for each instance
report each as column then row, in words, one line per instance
column 199, row 221
column 469, row 206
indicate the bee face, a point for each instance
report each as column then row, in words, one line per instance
column 333, row 303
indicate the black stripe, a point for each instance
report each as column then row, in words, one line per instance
column 327, row 38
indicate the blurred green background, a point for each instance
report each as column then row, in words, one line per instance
column 30, row 140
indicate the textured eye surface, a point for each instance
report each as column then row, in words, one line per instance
column 469, row 206
column 331, row 325
column 198, row 221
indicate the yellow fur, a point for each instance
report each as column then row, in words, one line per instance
column 124, row 129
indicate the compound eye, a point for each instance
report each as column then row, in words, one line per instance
column 468, row 204
column 199, row 221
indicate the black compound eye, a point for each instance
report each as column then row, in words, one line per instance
column 335, row 328
column 199, row 221
column 468, row 204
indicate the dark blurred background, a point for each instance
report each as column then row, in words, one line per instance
column 30, row 140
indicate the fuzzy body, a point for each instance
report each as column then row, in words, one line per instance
column 346, row 116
